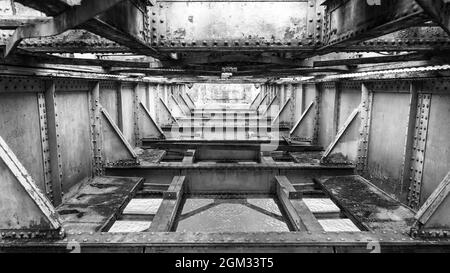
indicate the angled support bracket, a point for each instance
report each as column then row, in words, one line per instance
column 261, row 103
column 279, row 118
column 148, row 127
column 296, row 130
column 255, row 101
column 434, row 213
column 340, row 134
column 116, row 147
column 188, row 101
column 191, row 101
column 185, row 103
column 272, row 104
column 22, row 204
column 170, row 117
column 178, row 106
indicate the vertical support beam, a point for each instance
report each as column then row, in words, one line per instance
column 97, row 132
column 119, row 107
column 406, row 178
column 53, row 139
column 136, row 110
column 157, row 105
column 166, row 93
column 337, row 105
column 317, row 104
column 45, row 146
column 147, row 95
column 419, row 149
column 364, row 130
column 291, row 96
column 298, row 99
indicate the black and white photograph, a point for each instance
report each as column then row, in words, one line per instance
column 239, row 128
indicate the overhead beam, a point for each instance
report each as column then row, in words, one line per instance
column 374, row 60
column 50, row 59
column 72, row 18
column 11, row 22
column 97, row 26
column 355, row 21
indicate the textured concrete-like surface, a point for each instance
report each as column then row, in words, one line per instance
column 130, row 226
column 142, row 206
column 368, row 204
column 321, row 205
column 338, row 225
column 231, row 215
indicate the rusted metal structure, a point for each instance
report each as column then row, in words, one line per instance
column 108, row 132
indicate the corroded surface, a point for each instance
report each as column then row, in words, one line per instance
column 368, row 204
column 97, row 202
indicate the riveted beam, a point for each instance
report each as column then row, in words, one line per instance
column 419, row 149
column 364, row 130
column 96, row 130
column 45, row 146
column 374, row 60
column 54, row 142
column 12, row 22
column 72, row 18
column 409, row 142
column 127, row 41
column 350, row 22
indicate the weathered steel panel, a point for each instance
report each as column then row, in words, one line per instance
column 387, row 139
column 236, row 21
column 128, row 112
column 75, row 136
column 350, row 99
column 19, row 127
column 153, row 101
column 307, row 127
column 437, row 153
column 108, row 99
column 17, row 209
column 327, row 129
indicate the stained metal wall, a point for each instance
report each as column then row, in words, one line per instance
column 128, row 112
column 387, row 139
column 327, row 127
column 20, row 128
column 240, row 21
column 27, row 124
column 108, row 99
column 437, row 154
column 75, row 137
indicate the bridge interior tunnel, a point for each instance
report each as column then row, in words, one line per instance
column 149, row 126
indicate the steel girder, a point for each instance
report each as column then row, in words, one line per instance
column 133, row 36
column 198, row 36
